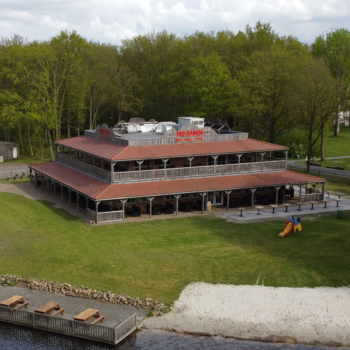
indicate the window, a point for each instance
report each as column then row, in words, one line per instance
column 188, row 195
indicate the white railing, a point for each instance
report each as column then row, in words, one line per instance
column 86, row 168
column 110, row 335
column 110, row 216
column 200, row 171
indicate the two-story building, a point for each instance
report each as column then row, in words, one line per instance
column 160, row 168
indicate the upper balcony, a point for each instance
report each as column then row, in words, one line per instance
column 171, row 173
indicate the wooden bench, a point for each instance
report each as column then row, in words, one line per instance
column 100, row 319
column 87, row 315
column 47, row 308
column 13, row 301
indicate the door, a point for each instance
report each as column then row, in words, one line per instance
column 216, row 198
column 14, row 153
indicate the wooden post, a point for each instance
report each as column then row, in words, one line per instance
column 262, row 160
column 96, row 206
column 190, row 160
column 77, row 201
column 277, row 188
column 300, row 185
column 61, row 193
column 239, row 158
column 112, row 171
column 203, row 194
column 165, row 160
column 150, row 206
column 47, row 185
column 123, row 203
column 323, row 189
column 177, row 203
column 69, row 197
column 228, row 198
column 139, row 162
column 215, row 159
column 253, row 191
column 54, row 189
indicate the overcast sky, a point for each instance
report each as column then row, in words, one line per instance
column 111, row 21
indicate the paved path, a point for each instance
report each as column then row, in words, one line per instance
column 114, row 314
column 292, row 164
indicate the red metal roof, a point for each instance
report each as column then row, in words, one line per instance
column 98, row 148
column 112, row 151
column 100, row 190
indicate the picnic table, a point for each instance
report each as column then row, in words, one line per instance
column 47, row 308
column 16, row 301
column 241, row 209
column 259, row 207
column 88, row 314
column 312, row 204
column 274, row 206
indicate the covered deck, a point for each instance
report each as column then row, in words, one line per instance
column 104, row 202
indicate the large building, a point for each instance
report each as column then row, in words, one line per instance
column 153, row 168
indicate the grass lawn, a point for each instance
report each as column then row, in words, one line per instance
column 337, row 146
column 158, row 259
column 28, row 160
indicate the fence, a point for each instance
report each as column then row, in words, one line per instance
column 201, row 171
column 87, row 168
column 312, row 197
column 105, row 216
column 110, row 335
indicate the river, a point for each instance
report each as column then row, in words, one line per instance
column 21, row 338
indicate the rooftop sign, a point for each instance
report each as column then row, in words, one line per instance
column 189, row 135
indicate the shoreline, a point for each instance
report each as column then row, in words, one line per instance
column 313, row 316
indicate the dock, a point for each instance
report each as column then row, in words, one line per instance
column 119, row 322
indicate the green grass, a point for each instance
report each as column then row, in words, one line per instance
column 337, row 146
column 158, row 259
column 13, row 181
column 28, row 160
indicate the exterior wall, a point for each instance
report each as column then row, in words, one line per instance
column 6, row 149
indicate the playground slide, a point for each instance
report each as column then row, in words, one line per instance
column 288, row 229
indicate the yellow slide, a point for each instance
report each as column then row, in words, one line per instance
column 287, row 229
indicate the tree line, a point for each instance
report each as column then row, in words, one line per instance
column 255, row 80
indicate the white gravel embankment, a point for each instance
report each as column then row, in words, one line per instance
column 295, row 315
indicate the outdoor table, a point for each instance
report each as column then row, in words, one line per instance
column 325, row 201
column 300, row 204
column 13, row 301
column 286, row 205
column 273, row 206
column 87, row 315
column 338, row 200
column 259, row 207
column 48, row 308
column 241, row 209
column 312, row 204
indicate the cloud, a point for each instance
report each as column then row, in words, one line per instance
column 115, row 20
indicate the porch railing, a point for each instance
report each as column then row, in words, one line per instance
column 110, row 335
column 200, row 171
column 86, row 168
column 110, row 216
column 312, row 197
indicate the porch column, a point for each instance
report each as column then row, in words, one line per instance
column 286, row 154
column 48, row 187
column 228, row 198
column 61, row 193
column 323, row 189
column 239, row 157
column 36, row 178
column 164, row 160
column 300, row 185
column 42, row 183
column 112, row 171
column 69, row 197
column 177, row 203
column 69, row 155
column 77, row 201
column 150, row 206
column 262, row 160
column 139, row 162
column 215, row 159
column 190, row 160
column 96, row 206
column 54, row 189
column 277, row 188
column 253, row 190
column 203, row 194
column 123, row 203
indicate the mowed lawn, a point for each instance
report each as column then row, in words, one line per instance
column 158, row 259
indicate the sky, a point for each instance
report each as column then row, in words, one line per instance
column 111, row 21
